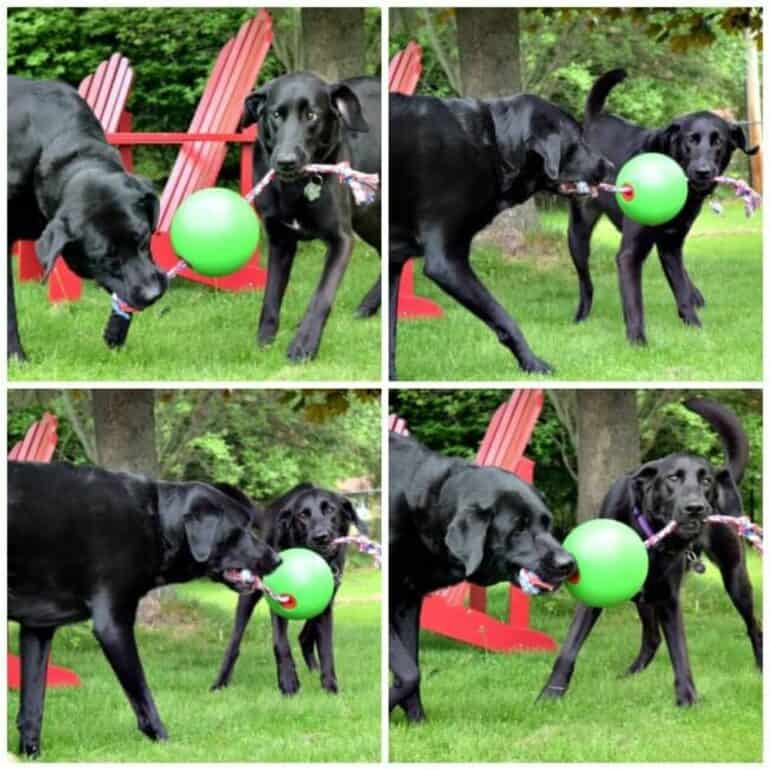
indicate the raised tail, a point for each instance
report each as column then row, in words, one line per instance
column 730, row 430
column 599, row 92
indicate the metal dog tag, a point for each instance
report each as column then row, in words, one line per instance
column 313, row 190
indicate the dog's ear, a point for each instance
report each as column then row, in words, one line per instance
column 738, row 138
column 235, row 493
column 549, row 149
column 345, row 103
column 663, row 139
column 351, row 516
column 150, row 201
column 253, row 107
column 201, row 528
column 466, row 535
column 727, row 495
column 51, row 242
column 642, row 478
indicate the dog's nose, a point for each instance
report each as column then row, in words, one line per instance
column 694, row 509
column 564, row 564
column 145, row 294
column 286, row 163
column 703, row 173
column 322, row 538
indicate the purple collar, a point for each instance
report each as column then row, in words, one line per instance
column 641, row 520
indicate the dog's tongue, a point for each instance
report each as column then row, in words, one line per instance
column 531, row 583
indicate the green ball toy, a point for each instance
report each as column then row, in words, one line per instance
column 612, row 562
column 215, row 231
column 306, row 579
column 658, row 189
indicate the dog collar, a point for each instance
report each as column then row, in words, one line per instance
column 642, row 522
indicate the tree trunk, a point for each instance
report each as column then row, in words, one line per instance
column 490, row 67
column 753, row 110
column 608, row 444
column 334, row 42
column 124, row 424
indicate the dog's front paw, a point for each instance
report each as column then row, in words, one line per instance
column 636, row 337
column 686, row 695
column 551, row 692
column 304, row 347
column 154, row 730
column 116, row 330
column 535, row 365
column 690, row 317
column 29, row 747
column 267, row 333
column 288, row 682
column 329, row 683
column 367, row 309
column 697, row 298
column 16, row 353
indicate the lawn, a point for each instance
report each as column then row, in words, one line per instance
column 481, row 706
column 250, row 721
column 723, row 255
column 197, row 333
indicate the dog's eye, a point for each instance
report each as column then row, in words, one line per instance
column 673, row 478
column 707, row 482
column 304, row 514
column 277, row 114
column 311, row 116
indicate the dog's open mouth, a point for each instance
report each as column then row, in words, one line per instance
column 243, row 580
column 578, row 188
column 531, row 583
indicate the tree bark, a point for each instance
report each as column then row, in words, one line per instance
column 124, row 424
column 608, row 444
column 490, row 67
column 334, row 42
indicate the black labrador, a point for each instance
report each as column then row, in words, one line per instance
column 702, row 143
column 68, row 191
column 305, row 517
column 454, row 165
column 451, row 521
column 84, row 543
column 303, row 119
column 686, row 489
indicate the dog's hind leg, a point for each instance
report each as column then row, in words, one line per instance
column 410, row 636
column 725, row 550
column 582, row 221
column 246, row 604
column 583, row 621
column 370, row 304
column 116, row 637
column 448, row 265
column 671, row 620
column 35, row 646
column 15, row 349
column 650, row 637
column 397, row 261
column 404, row 663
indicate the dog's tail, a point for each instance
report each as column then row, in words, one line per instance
column 730, row 431
column 599, row 93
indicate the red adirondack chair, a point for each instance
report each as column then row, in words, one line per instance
column 204, row 146
column 445, row 611
column 38, row 445
column 106, row 91
column 403, row 75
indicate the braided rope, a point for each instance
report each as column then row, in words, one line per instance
column 743, row 525
column 364, row 545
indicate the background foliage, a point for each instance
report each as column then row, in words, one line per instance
column 454, row 422
column 172, row 51
column 262, row 441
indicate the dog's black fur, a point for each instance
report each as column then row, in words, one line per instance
column 455, row 164
column 305, row 517
column 88, row 543
column 686, row 489
column 303, row 119
column 702, row 143
column 451, row 521
column 68, row 191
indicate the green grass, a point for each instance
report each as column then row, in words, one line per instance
column 723, row 255
column 481, row 705
column 197, row 333
column 250, row 721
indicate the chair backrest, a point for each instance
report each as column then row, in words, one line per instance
column 405, row 70
column 397, row 425
column 510, row 429
column 39, row 443
column 219, row 110
column 107, row 90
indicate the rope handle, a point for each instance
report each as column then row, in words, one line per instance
column 365, row 545
column 743, row 525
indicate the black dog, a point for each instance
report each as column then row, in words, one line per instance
column 686, row 489
column 87, row 543
column 305, row 517
column 455, row 164
column 452, row 521
column 302, row 119
column 68, row 190
column 702, row 144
